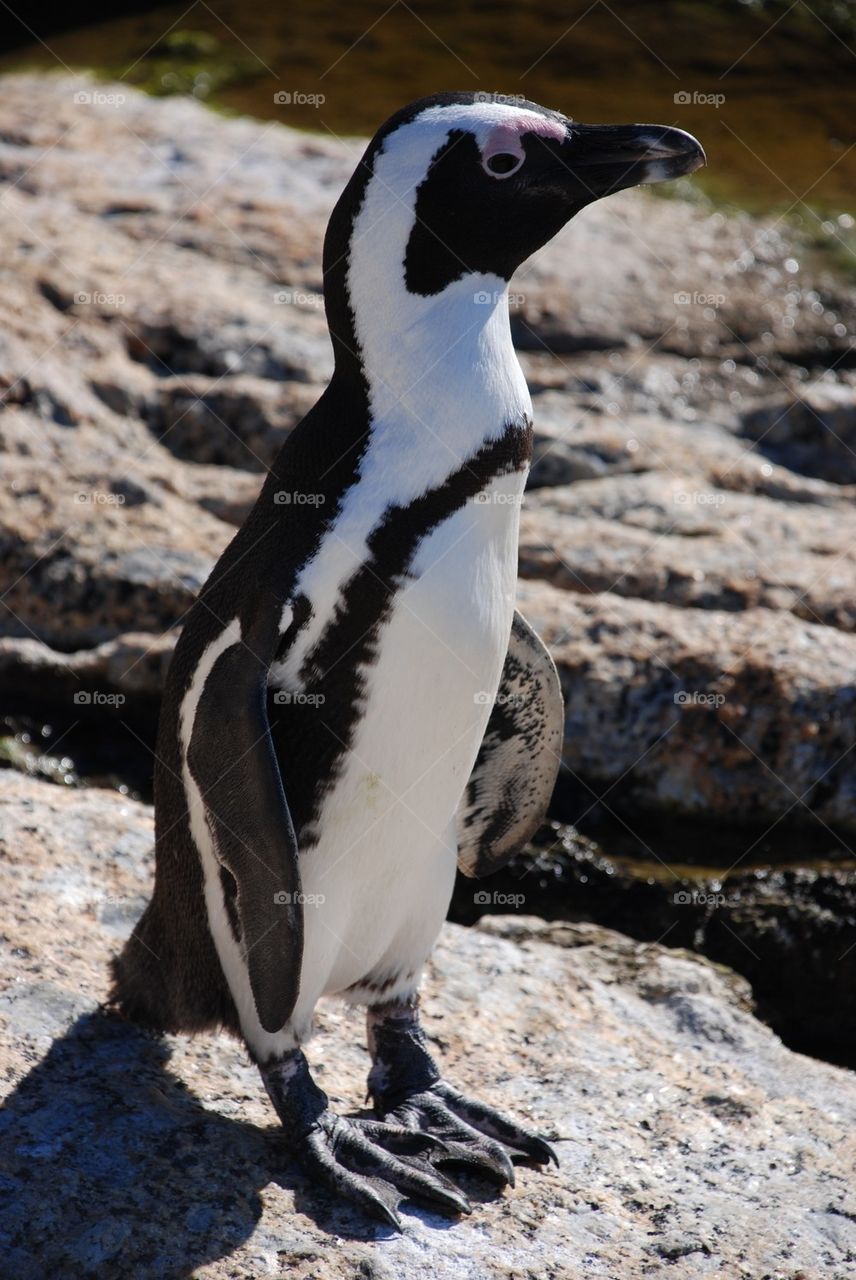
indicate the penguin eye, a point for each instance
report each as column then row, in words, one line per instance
column 503, row 164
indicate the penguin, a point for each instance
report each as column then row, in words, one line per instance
column 354, row 707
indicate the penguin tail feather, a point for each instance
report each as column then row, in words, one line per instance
column 156, row 986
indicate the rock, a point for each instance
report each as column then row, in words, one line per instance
column 177, row 319
column 692, row 1142
column 124, row 674
column 789, row 930
column 813, row 432
column 239, row 423
column 679, row 539
column 584, row 443
column 749, row 716
column 683, row 279
column 84, row 566
column 795, row 930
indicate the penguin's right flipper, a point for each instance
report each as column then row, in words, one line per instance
column 515, row 771
column 232, row 761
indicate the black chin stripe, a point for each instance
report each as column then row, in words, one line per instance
column 349, row 643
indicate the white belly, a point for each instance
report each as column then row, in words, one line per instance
column 382, row 872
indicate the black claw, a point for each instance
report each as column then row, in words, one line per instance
column 520, row 1142
column 389, row 1217
column 544, row 1153
column 377, row 1166
column 374, row 1165
column 475, row 1135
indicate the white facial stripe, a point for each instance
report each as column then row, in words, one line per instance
column 484, row 118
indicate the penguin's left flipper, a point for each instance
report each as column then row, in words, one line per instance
column 232, row 761
column 515, row 771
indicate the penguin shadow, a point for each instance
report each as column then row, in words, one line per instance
column 109, row 1165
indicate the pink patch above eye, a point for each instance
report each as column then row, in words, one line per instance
column 504, row 139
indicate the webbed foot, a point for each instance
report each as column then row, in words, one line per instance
column 407, row 1090
column 372, row 1164
column 474, row 1134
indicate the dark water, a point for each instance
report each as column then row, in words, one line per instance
column 769, row 88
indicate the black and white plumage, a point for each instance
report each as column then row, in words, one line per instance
column 331, row 739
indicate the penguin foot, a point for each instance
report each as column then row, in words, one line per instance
column 372, row 1164
column 407, row 1090
column 474, row 1135
column 378, row 1165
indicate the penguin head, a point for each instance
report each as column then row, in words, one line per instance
column 470, row 185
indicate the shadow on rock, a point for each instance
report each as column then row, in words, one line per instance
column 110, row 1167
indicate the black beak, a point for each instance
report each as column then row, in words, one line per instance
column 609, row 157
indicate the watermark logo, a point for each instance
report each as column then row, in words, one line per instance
column 498, row 499
column 698, row 898
column 296, row 98
column 96, row 98
column 694, row 698
column 683, row 298
column 97, row 299
column 486, row 298
column 298, row 298
column 96, row 698
column 100, row 498
column 483, row 698
column 699, row 498
column 285, row 698
column 693, row 98
column 496, row 899
column 283, row 898
column 294, row 498
column 507, row 99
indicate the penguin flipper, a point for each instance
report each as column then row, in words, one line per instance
column 513, row 777
column 232, row 761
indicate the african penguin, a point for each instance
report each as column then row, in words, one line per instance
column 354, row 706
